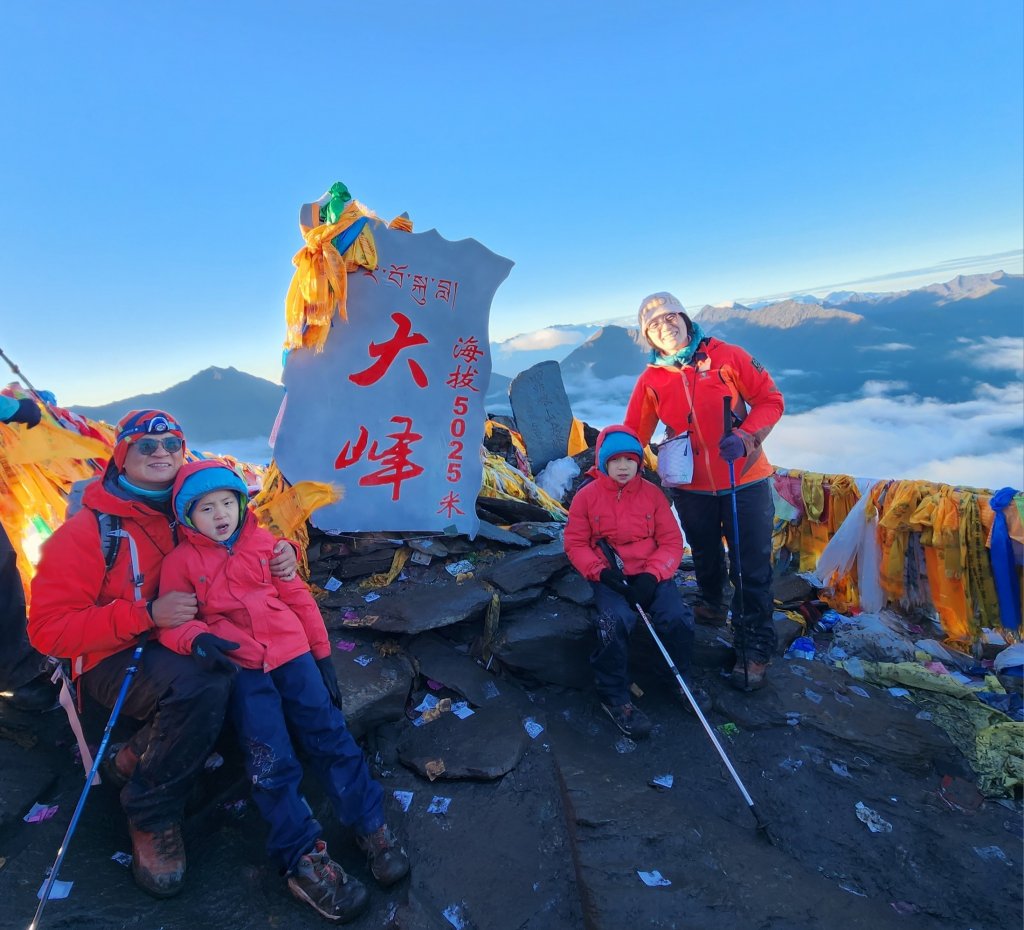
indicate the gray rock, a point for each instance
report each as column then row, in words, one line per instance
column 23, row 782
column 550, row 645
column 373, row 694
column 417, row 608
column 438, row 659
column 428, row 546
column 523, row 598
column 501, row 510
column 573, row 587
column 493, row 533
column 786, row 630
column 485, row 745
column 542, row 411
column 525, row 569
column 537, row 532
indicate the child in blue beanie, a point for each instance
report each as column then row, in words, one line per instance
column 633, row 515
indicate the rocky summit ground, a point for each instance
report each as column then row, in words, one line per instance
column 545, row 816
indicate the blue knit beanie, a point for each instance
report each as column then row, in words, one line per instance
column 200, row 481
column 619, row 444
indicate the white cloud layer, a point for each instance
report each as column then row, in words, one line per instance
column 541, row 339
column 1000, row 353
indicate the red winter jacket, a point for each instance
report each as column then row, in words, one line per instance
column 635, row 518
column 273, row 621
column 82, row 612
column 717, row 370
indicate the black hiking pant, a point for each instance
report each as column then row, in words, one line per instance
column 182, row 709
column 706, row 518
column 19, row 662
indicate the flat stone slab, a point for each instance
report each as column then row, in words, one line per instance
column 572, row 586
column 493, row 533
column 23, row 780
column 550, row 645
column 486, row 745
column 416, row 608
column 439, row 660
column 527, row 569
column 374, row 693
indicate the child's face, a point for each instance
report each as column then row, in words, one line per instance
column 622, row 468
column 215, row 515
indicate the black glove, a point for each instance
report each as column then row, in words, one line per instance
column 643, row 586
column 209, row 653
column 27, row 413
column 614, row 579
column 330, row 676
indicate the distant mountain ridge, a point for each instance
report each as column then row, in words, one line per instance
column 785, row 314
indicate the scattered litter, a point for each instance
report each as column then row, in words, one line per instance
column 653, row 879
column 842, row 699
column 662, row 781
column 59, row 890
column 859, row 691
column 429, row 702
column 904, row 907
column 623, row 745
column 840, row 769
column 961, row 678
column 433, row 768
column 491, row 690
column 462, row 567
column 728, row 729
column 441, row 707
column 1015, row 827
column 792, row 718
column 829, row 619
column 636, row 690
column 812, row 696
column 434, row 685
column 801, row 648
column 345, row 645
column 363, row 660
column 853, row 888
column 350, row 614
column 993, row 854
column 420, row 558
column 357, row 621
column 371, row 597
column 532, row 727
column 332, row 584
column 854, row 668
column 790, row 764
column 453, row 914
column 439, row 805
column 875, row 822
column 960, row 794
column 213, row 762
column 402, row 577
column 462, row 710
column 404, row 799
column 40, row 812
column 122, row 858
column 898, row 692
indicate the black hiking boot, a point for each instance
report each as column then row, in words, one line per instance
column 631, row 720
column 388, row 861
column 324, row 885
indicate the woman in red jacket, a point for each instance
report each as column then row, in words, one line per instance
column 633, row 516
column 691, row 380
column 95, row 616
column 285, row 688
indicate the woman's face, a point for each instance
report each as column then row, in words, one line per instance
column 156, row 471
column 668, row 333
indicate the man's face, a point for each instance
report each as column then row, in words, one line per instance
column 668, row 333
column 149, row 464
column 622, row 468
column 215, row 515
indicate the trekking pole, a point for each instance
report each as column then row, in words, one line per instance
column 39, row 397
column 762, row 826
column 734, row 549
column 44, row 895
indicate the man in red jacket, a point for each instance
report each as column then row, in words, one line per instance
column 95, row 617
column 634, row 517
column 690, row 383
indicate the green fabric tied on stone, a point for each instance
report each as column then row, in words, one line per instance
column 331, row 211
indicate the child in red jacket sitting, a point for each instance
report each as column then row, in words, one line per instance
column 633, row 515
column 273, row 633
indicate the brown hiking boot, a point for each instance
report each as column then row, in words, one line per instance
column 118, row 764
column 158, row 860
column 325, row 886
column 388, row 860
column 755, row 676
column 710, row 616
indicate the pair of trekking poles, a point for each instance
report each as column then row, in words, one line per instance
column 615, row 561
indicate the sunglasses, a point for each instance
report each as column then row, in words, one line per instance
column 147, row 446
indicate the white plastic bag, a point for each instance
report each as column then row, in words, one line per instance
column 675, row 461
column 557, row 477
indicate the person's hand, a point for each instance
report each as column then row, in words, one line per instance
column 643, row 587
column 731, row 447
column 283, row 564
column 174, row 609
column 330, row 676
column 27, row 413
column 209, row 653
column 614, row 579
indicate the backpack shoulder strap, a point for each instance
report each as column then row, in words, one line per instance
column 109, row 525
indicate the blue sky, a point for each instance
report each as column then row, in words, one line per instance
column 155, row 155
